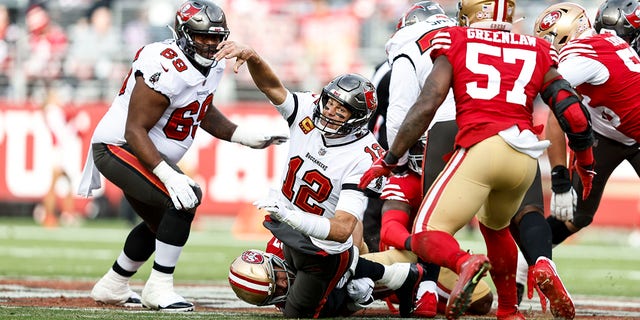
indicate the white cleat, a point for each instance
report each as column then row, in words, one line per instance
column 114, row 289
column 158, row 294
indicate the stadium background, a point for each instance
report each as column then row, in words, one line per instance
column 72, row 60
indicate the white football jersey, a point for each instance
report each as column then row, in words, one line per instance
column 322, row 174
column 168, row 71
column 408, row 55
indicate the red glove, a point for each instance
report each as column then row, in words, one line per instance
column 584, row 168
column 381, row 167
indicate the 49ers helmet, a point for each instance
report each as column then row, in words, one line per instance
column 620, row 16
column 486, row 14
column 252, row 277
column 420, row 11
column 200, row 17
column 561, row 23
column 416, row 155
column 355, row 93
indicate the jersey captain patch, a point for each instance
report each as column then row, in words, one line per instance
column 306, row 125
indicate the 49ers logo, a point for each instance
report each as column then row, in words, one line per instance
column 187, row 11
column 549, row 20
column 252, row 257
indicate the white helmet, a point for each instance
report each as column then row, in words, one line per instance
column 252, row 277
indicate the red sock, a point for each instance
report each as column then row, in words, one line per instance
column 503, row 254
column 437, row 247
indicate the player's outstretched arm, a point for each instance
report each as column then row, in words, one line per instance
column 262, row 74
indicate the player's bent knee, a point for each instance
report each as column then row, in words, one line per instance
column 526, row 210
column 581, row 221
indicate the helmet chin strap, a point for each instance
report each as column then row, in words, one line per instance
column 203, row 61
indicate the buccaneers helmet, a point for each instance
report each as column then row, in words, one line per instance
column 561, row 23
column 252, row 277
column 486, row 14
column 620, row 16
column 416, row 155
column 200, row 17
column 420, row 11
column 355, row 93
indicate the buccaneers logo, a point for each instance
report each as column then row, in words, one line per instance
column 550, row 19
column 370, row 97
column 252, row 257
column 187, row 11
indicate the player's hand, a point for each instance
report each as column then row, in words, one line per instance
column 564, row 198
column 361, row 291
column 384, row 166
column 179, row 186
column 275, row 207
column 586, row 174
column 257, row 139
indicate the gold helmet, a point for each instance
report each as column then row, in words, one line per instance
column 486, row 14
column 561, row 23
column 252, row 277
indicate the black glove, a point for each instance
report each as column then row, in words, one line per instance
column 560, row 179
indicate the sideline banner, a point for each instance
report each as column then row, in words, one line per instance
column 231, row 175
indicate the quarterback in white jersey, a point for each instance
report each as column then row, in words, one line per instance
column 316, row 211
column 152, row 122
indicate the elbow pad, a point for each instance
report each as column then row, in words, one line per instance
column 572, row 115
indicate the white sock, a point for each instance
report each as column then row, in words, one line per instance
column 394, row 275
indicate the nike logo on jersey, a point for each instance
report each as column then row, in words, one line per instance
column 163, row 68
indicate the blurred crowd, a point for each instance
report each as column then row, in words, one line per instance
column 82, row 48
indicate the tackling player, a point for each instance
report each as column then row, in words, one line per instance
column 495, row 76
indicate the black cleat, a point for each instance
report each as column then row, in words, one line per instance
column 406, row 294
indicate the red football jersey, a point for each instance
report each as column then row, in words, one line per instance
column 406, row 188
column 497, row 76
column 614, row 91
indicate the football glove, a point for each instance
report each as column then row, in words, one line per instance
column 178, row 185
column 564, row 198
column 586, row 174
column 257, row 139
column 361, row 291
column 383, row 166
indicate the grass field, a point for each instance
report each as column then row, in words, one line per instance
column 596, row 262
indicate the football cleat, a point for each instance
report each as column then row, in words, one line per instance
column 158, row 294
column 520, row 288
column 512, row 316
column 471, row 271
column 406, row 294
column 427, row 306
column 114, row 289
column 548, row 282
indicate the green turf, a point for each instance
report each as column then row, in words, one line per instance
column 595, row 262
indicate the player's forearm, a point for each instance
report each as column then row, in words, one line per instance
column 557, row 152
column 266, row 79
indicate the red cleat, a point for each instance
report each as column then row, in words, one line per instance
column 471, row 271
column 545, row 276
column 427, row 306
column 513, row 316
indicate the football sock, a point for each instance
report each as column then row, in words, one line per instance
column 559, row 230
column 535, row 237
column 437, row 247
column 503, row 254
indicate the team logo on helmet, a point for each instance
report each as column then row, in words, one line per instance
column 252, row 257
column 370, row 98
column 187, row 11
column 634, row 17
column 550, row 19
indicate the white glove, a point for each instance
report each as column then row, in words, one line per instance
column 178, row 185
column 275, row 207
column 361, row 291
column 249, row 137
column 563, row 205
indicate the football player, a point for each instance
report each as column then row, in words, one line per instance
column 495, row 76
column 402, row 197
column 151, row 123
column 605, row 70
column 316, row 210
column 411, row 66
